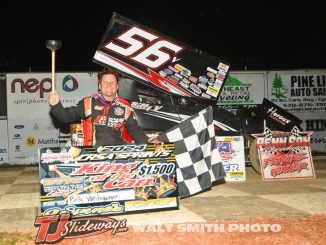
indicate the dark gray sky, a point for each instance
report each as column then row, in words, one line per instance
column 257, row 34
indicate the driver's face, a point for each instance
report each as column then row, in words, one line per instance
column 108, row 86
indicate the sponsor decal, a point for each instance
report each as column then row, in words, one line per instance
column 203, row 79
column 168, row 71
column 36, row 127
column 54, row 228
column 184, row 85
column 98, row 108
column 193, row 79
column 173, row 69
column 171, row 79
column 212, row 91
column 272, row 112
column 163, row 73
column 201, row 85
column 118, row 111
column 146, row 107
column 209, row 69
column 195, row 88
column 30, row 141
column 100, row 120
column 50, row 157
column 17, row 136
column 19, row 126
column 223, row 67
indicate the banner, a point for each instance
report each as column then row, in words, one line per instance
column 285, row 155
column 3, row 121
column 302, row 93
column 159, row 61
column 30, row 125
column 298, row 91
column 231, row 151
column 242, row 88
column 107, row 179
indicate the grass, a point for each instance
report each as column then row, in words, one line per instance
column 7, row 238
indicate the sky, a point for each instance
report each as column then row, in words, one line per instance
column 252, row 35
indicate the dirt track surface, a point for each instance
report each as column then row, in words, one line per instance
column 300, row 230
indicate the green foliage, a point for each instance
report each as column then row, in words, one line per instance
column 7, row 238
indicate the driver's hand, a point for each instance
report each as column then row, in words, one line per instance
column 53, row 98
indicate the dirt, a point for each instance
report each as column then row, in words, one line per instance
column 264, row 230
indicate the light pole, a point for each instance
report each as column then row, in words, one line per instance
column 53, row 45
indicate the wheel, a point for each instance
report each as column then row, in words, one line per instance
column 254, row 158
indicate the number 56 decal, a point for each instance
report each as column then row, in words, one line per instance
column 143, row 47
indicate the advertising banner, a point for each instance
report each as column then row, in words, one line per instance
column 315, row 122
column 28, row 92
column 298, row 91
column 3, row 121
column 30, row 125
column 302, row 93
column 285, row 155
column 107, row 180
column 159, row 61
column 243, row 88
column 231, row 151
column 4, row 150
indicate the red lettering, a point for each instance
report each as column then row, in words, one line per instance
column 32, row 85
column 44, row 223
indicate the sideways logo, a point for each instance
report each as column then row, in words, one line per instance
column 54, row 228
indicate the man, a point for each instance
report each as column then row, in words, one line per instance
column 107, row 118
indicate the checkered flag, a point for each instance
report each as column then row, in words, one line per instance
column 268, row 133
column 198, row 160
column 295, row 132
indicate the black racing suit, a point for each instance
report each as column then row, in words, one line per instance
column 110, row 120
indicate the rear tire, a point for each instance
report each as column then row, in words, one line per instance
column 253, row 156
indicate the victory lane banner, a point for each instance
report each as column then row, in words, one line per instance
column 90, row 181
column 285, row 155
column 160, row 62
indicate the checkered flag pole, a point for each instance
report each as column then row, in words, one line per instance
column 198, row 160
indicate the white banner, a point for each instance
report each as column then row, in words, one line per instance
column 243, row 88
column 27, row 93
column 3, row 142
column 29, row 123
column 231, row 151
column 302, row 93
column 298, row 91
column 315, row 122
